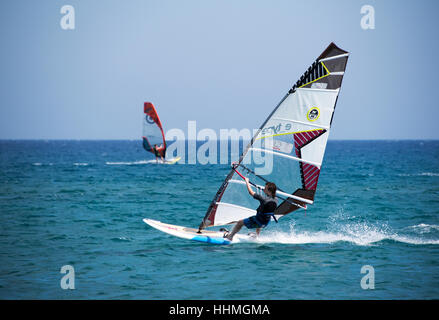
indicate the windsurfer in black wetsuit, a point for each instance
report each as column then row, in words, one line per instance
column 268, row 204
column 158, row 153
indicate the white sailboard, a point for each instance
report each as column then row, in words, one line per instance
column 293, row 138
column 213, row 237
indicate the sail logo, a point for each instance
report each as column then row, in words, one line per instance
column 276, row 129
column 149, row 119
column 313, row 114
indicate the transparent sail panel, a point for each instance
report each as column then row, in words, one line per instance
column 284, row 172
column 236, row 193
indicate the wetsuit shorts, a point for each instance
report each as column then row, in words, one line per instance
column 253, row 223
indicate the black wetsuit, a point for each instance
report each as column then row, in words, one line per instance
column 261, row 219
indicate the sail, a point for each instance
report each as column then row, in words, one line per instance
column 288, row 148
column 152, row 130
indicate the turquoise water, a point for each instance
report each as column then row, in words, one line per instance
column 81, row 203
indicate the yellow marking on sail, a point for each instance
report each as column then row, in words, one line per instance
column 285, row 133
column 318, row 78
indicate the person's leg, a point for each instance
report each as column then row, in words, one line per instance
column 236, row 229
column 258, row 231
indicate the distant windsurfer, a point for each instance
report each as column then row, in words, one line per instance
column 268, row 204
column 158, row 151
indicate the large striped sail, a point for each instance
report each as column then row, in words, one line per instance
column 288, row 148
column 152, row 130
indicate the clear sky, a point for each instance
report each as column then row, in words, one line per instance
column 225, row 64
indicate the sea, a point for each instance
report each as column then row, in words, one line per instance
column 71, row 226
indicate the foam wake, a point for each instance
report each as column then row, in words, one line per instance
column 80, row 164
column 133, row 163
column 130, row 163
column 358, row 234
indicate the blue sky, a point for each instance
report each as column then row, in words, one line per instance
column 225, row 64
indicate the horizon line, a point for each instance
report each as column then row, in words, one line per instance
column 87, row 139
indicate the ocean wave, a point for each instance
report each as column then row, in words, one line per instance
column 80, row 164
column 129, row 163
column 120, row 239
column 429, row 174
column 424, row 228
column 358, row 234
column 42, row 164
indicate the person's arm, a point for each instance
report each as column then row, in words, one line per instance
column 249, row 188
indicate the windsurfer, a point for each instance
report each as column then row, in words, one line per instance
column 268, row 204
column 158, row 151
